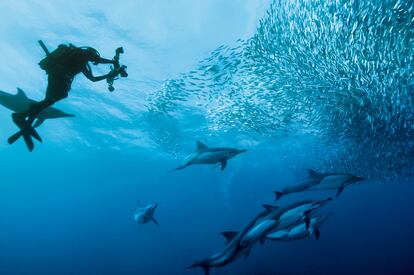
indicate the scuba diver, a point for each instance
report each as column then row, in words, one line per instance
column 61, row 66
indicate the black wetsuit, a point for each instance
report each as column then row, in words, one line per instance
column 61, row 72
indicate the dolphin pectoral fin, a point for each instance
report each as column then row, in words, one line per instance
column 340, row 190
column 307, row 221
column 278, row 195
column 229, row 235
column 223, row 164
column 155, row 221
column 216, row 166
column 317, row 233
column 178, row 168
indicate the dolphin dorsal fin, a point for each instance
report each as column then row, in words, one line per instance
column 315, row 174
column 21, row 93
column 201, row 146
column 229, row 235
column 269, row 207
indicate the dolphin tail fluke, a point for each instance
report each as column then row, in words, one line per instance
column 206, row 268
column 155, row 221
column 278, row 195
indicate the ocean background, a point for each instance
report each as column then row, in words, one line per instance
column 299, row 84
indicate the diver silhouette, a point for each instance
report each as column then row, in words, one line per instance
column 61, row 66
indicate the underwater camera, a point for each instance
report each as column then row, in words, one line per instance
column 116, row 70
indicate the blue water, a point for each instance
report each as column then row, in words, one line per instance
column 293, row 92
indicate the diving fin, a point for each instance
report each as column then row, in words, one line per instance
column 27, row 132
column 38, row 122
column 12, row 139
column 29, row 141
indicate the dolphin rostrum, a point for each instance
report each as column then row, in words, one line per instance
column 319, row 181
column 145, row 213
column 20, row 102
column 209, row 155
column 299, row 231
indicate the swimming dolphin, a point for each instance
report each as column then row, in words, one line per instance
column 20, row 102
column 319, row 181
column 299, row 231
column 145, row 213
column 232, row 251
column 240, row 243
column 209, row 155
column 278, row 218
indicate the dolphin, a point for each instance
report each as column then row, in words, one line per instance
column 280, row 218
column 240, row 243
column 232, row 251
column 320, row 181
column 209, row 155
column 299, row 231
column 145, row 213
column 20, row 102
